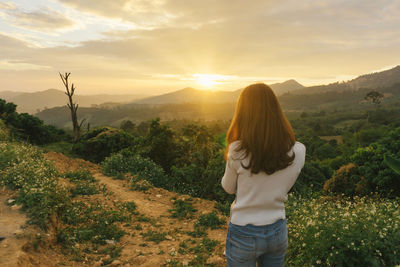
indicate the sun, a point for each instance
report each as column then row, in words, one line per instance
column 206, row 80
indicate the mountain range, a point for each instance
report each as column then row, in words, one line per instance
column 37, row 101
column 374, row 80
column 34, row 102
column 191, row 95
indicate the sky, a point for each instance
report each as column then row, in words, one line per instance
column 150, row 47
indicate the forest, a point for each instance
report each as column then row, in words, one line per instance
column 345, row 201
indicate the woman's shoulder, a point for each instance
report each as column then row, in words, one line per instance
column 234, row 145
column 234, row 149
column 299, row 146
column 299, row 150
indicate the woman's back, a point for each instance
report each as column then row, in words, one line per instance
column 263, row 163
column 259, row 197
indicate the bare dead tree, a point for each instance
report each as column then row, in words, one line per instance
column 73, row 107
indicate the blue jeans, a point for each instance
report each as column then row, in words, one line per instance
column 265, row 245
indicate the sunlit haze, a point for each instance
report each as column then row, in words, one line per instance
column 158, row 46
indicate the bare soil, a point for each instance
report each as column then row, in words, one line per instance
column 34, row 247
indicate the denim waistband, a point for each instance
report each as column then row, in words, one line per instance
column 261, row 228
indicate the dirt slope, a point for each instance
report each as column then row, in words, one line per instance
column 154, row 206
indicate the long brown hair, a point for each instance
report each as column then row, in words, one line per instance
column 265, row 133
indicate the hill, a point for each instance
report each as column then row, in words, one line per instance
column 191, row 95
column 35, row 101
column 374, row 80
column 208, row 111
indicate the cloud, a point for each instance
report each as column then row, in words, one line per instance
column 40, row 20
column 159, row 43
column 7, row 6
column 144, row 13
column 13, row 65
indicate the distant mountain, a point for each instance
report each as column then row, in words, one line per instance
column 285, row 87
column 377, row 79
column 374, row 80
column 35, row 101
column 7, row 95
column 191, row 95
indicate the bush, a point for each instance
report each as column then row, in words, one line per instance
column 127, row 161
column 378, row 176
column 160, row 145
column 80, row 175
column 139, row 184
column 24, row 168
column 154, row 236
column 312, row 176
column 329, row 232
column 4, row 132
column 210, row 220
column 101, row 142
column 183, row 209
column 91, row 221
column 347, row 180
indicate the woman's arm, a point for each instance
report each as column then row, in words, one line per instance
column 229, row 180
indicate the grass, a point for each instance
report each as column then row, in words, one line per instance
column 154, row 236
column 80, row 175
column 183, row 209
column 60, row 147
column 210, row 220
column 85, row 188
column 139, row 184
column 224, row 207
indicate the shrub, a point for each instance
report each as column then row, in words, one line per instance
column 343, row 232
column 84, row 188
column 24, row 168
column 27, row 127
column 378, row 176
column 161, row 147
column 210, row 220
column 80, row 175
column 183, row 209
column 101, row 142
column 91, row 221
column 312, row 176
column 4, row 132
column 139, row 184
column 143, row 168
column 346, row 180
column 154, row 236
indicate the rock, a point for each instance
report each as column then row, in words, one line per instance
column 106, row 258
column 168, row 237
column 10, row 201
column 214, row 259
column 158, row 195
column 111, row 242
column 16, row 207
column 116, row 263
column 19, row 232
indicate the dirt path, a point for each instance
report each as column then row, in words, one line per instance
column 11, row 222
column 153, row 215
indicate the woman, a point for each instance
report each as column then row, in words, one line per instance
column 263, row 163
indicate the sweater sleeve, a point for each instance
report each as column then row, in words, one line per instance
column 299, row 160
column 229, row 180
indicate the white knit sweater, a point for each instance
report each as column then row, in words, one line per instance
column 259, row 197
